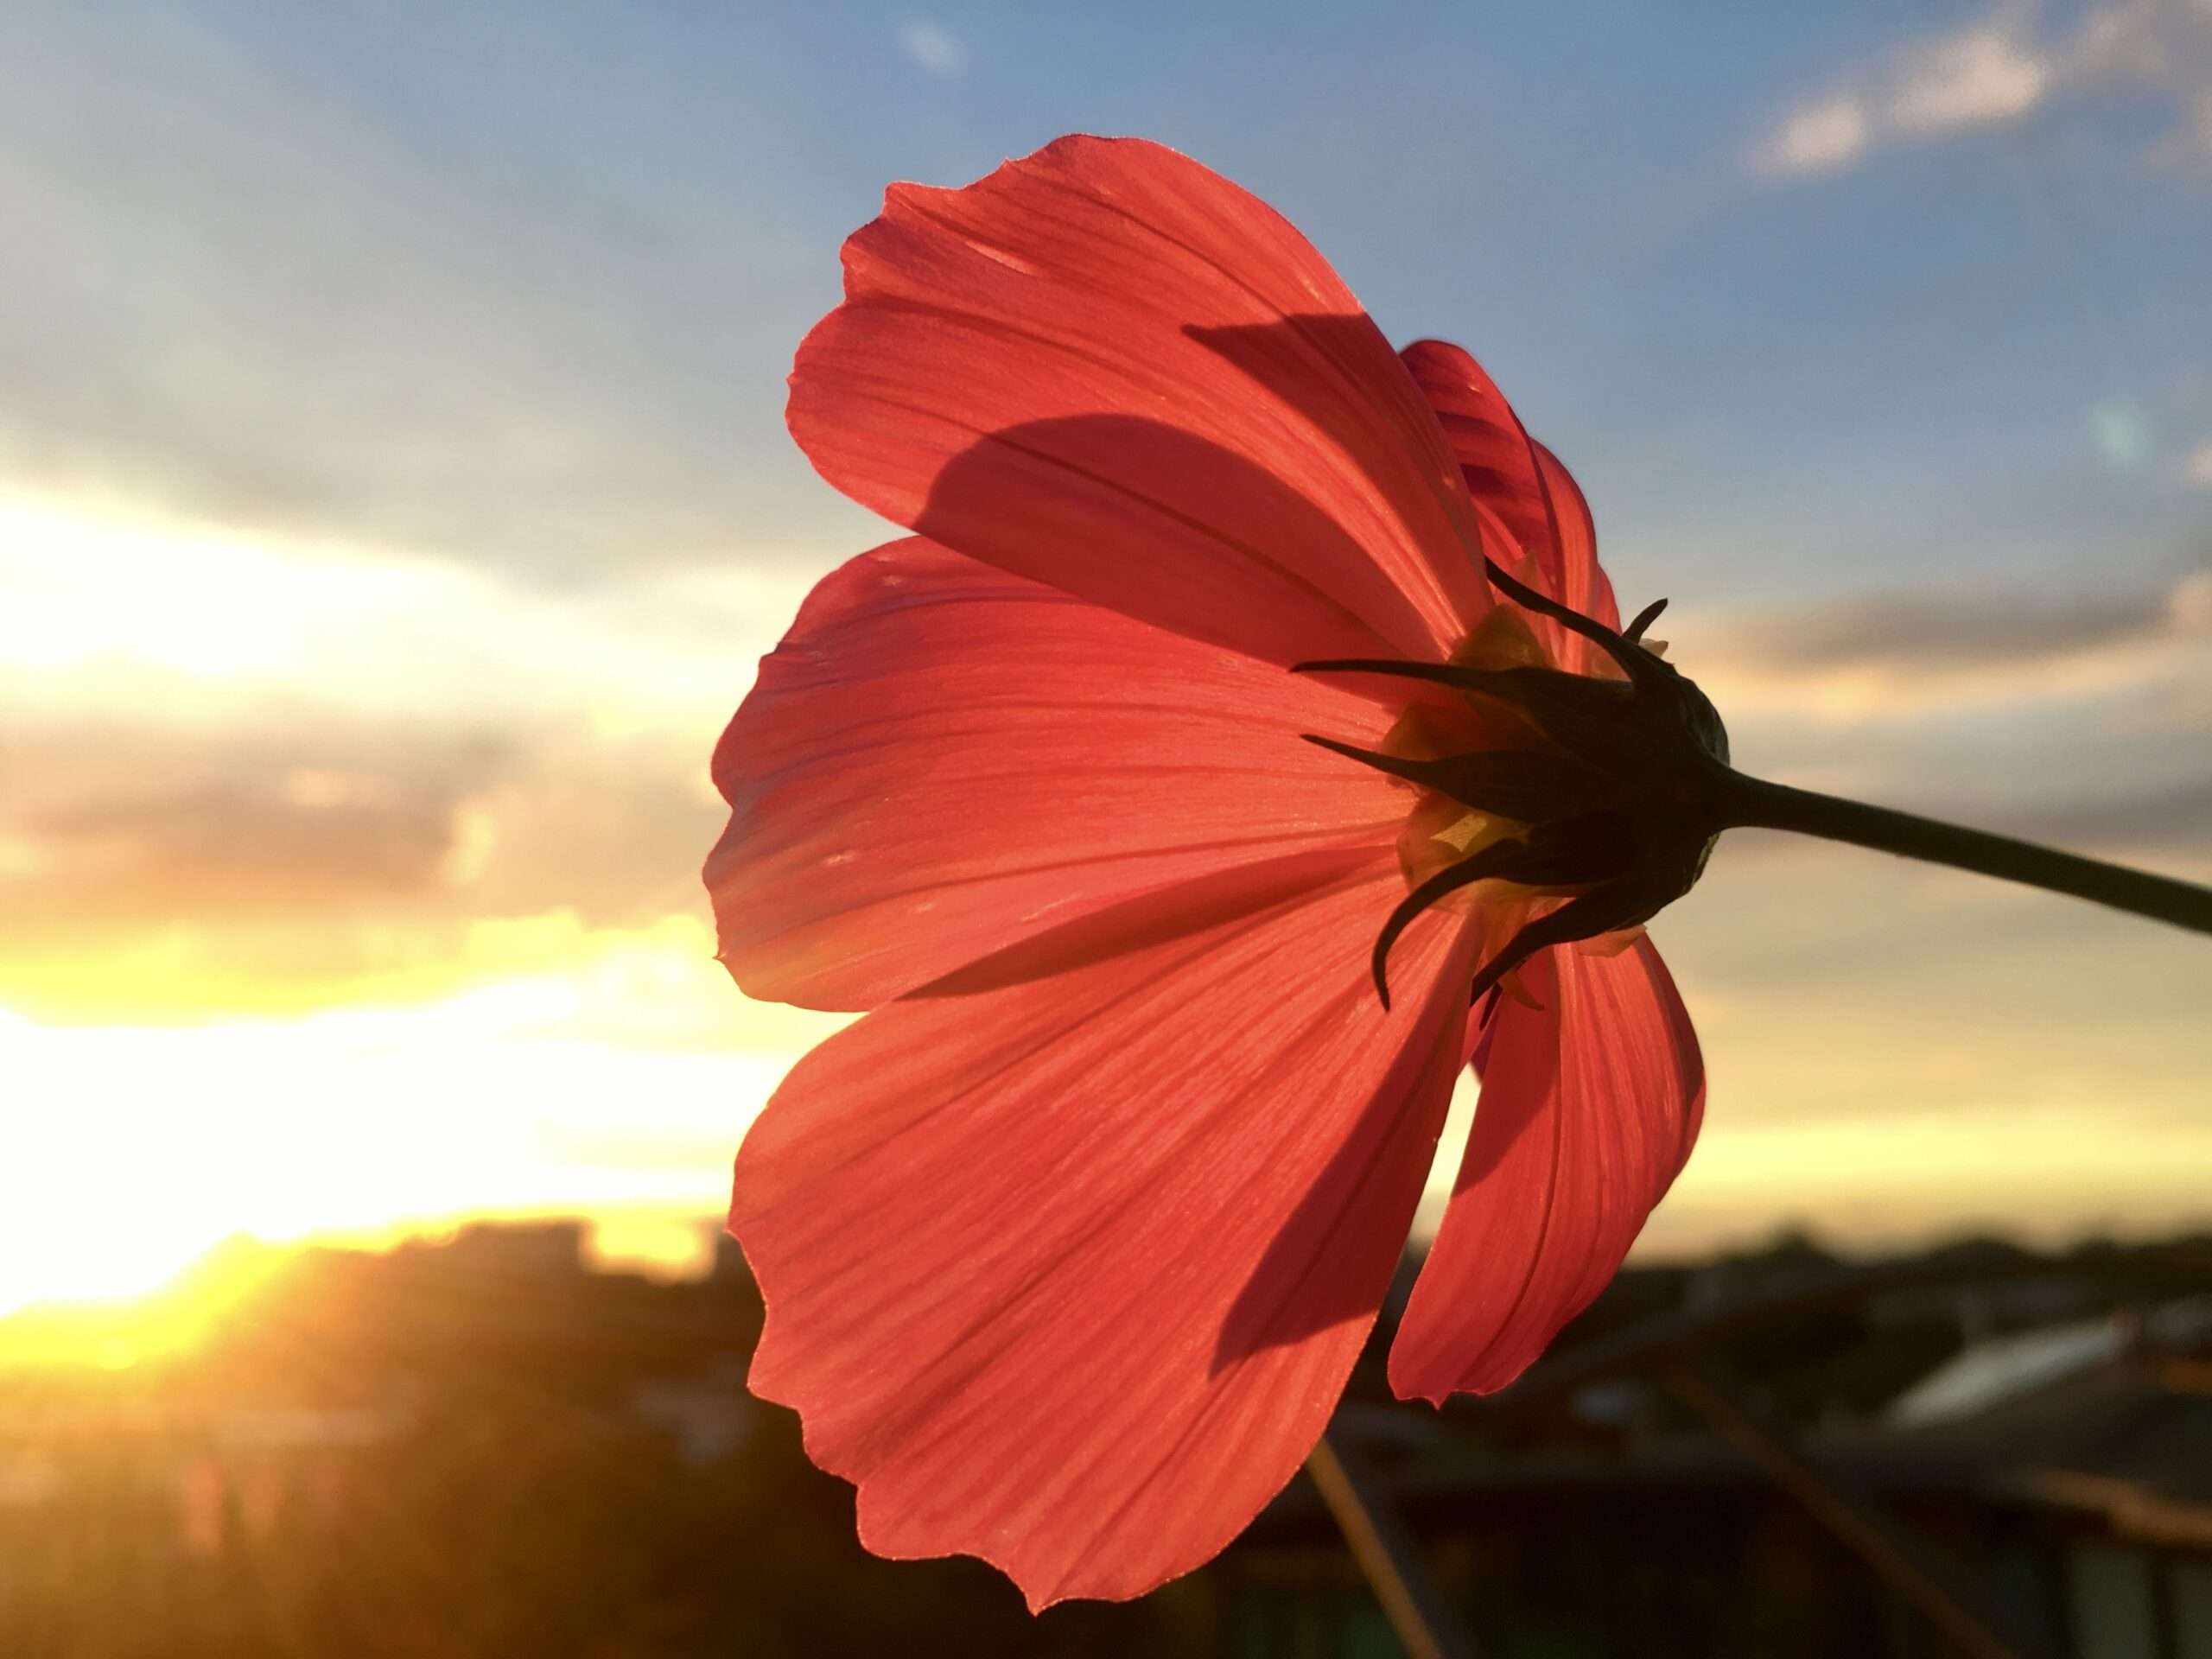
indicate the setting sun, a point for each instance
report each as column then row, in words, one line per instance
column 257, row 977
column 179, row 1135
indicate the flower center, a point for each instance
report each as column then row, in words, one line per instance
column 1442, row 830
column 1585, row 804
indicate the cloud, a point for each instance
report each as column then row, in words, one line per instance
column 2002, row 69
column 281, row 871
column 1985, row 75
column 126, row 827
column 1982, row 76
column 2178, row 816
column 2197, row 469
column 1827, row 134
column 327, row 834
column 2077, row 720
column 240, row 775
column 933, row 48
column 1911, row 650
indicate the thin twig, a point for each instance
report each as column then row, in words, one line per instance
column 1385, row 1549
column 1875, row 1540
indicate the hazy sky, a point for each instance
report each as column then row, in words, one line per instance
column 394, row 502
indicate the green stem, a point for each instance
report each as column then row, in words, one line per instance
column 1754, row 803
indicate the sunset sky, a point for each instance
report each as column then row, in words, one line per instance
column 395, row 502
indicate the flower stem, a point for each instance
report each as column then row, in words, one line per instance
column 1754, row 803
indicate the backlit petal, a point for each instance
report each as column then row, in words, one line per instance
column 1583, row 585
column 1529, row 504
column 1068, row 1272
column 1107, row 367
column 1589, row 1110
column 941, row 758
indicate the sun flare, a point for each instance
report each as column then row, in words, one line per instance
column 143, row 1146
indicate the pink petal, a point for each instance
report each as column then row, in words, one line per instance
column 941, row 758
column 1067, row 1273
column 1109, row 369
column 1588, row 1111
column 1582, row 584
column 1526, row 498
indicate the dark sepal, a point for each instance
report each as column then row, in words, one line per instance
column 1593, row 846
column 1528, row 785
column 1468, row 871
column 1581, row 714
column 1644, row 619
column 1635, row 661
column 1601, row 910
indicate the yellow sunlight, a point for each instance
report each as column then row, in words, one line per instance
column 141, row 1146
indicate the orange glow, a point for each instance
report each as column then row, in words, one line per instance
column 114, row 1308
column 187, row 973
column 514, row 1092
column 96, row 1318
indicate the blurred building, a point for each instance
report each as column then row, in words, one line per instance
column 2056, row 1482
column 482, row 1449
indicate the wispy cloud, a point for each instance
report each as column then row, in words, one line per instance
column 2002, row 69
column 1985, row 75
column 327, row 827
column 1904, row 655
column 245, row 775
column 2178, row 814
column 933, row 48
column 1988, row 73
column 2197, row 469
column 1826, row 134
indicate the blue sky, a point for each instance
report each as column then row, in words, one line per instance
column 541, row 233
column 394, row 498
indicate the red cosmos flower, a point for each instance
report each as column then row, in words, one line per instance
column 1068, row 1247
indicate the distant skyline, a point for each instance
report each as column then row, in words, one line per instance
column 394, row 503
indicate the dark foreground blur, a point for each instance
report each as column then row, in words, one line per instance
column 482, row 1449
